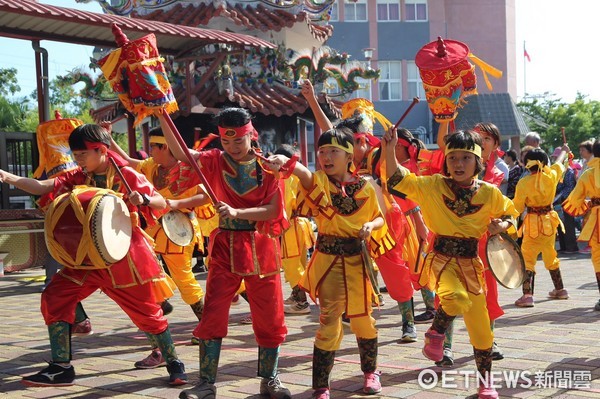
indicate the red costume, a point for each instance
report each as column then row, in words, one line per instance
column 241, row 249
column 126, row 281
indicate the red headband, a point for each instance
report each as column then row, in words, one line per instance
column 369, row 138
column 234, row 132
column 111, row 154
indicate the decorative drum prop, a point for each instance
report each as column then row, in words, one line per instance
column 505, row 260
column 178, row 228
column 88, row 228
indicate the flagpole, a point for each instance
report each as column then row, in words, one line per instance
column 524, row 71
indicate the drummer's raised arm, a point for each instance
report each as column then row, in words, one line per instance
column 442, row 133
column 133, row 162
column 32, row 186
column 172, row 141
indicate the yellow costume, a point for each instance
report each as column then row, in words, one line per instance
column 177, row 258
column 298, row 238
column 336, row 273
column 536, row 193
column 458, row 216
column 588, row 186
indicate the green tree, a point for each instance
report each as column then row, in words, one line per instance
column 581, row 119
column 8, row 82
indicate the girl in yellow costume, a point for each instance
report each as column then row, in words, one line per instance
column 163, row 170
column 588, row 186
column 458, row 210
column 535, row 193
column 346, row 211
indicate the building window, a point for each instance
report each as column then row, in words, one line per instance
column 355, row 11
column 364, row 89
column 415, row 84
column 388, row 10
column 334, row 15
column 390, row 80
column 416, row 10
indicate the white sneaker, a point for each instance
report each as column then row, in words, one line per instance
column 297, row 308
column 289, row 301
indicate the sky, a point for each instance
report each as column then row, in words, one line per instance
column 560, row 37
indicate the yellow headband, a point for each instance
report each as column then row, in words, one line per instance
column 476, row 150
column 334, row 143
column 157, row 140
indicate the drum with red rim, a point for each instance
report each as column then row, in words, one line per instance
column 88, row 228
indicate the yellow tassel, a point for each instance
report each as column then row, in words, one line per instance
column 486, row 68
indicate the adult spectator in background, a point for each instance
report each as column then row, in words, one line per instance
column 514, row 172
column 567, row 238
column 503, row 166
column 585, row 152
column 532, row 139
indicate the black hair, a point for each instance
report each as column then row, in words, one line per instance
column 588, row 145
column 288, row 150
column 352, row 123
column 237, row 117
column 156, row 131
column 233, row 117
column 596, row 148
column 489, row 128
column 513, row 155
column 408, row 136
column 90, row 133
column 464, row 140
column 536, row 154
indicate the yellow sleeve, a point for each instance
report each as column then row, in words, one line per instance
column 575, row 203
column 520, row 196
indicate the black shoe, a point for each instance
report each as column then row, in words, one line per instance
column 409, row 332
column 447, row 360
column 177, row 375
column 497, row 353
column 383, row 289
column 425, row 317
column 166, row 307
column 52, row 376
column 199, row 268
column 203, row 390
column 274, row 388
column 345, row 319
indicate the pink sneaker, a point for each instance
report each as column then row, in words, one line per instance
column 558, row 294
column 487, row 392
column 526, row 301
column 82, row 328
column 372, row 384
column 434, row 345
column 153, row 361
column 321, row 393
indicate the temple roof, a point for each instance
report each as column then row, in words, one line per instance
column 254, row 17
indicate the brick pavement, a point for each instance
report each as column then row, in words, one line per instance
column 554, row 335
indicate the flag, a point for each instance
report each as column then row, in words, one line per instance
column 526, row 54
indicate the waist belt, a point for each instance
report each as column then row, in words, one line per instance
column 334, row 245
column 456, row 246
column 595, row 201
column 539, row 210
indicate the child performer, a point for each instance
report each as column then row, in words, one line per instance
column 458, row 209
column 165, row 172
column 127, row 282
column 588, row 186
column 490, row 143
column 535, row 192
column 346, row 211
column 296, row 240
column 360, row 117
column 244, row 247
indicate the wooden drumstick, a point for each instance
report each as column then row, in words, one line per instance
column 564, row 136
column 414, row 101
column 114, row 163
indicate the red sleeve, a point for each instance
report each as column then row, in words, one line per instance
column 62, row 184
